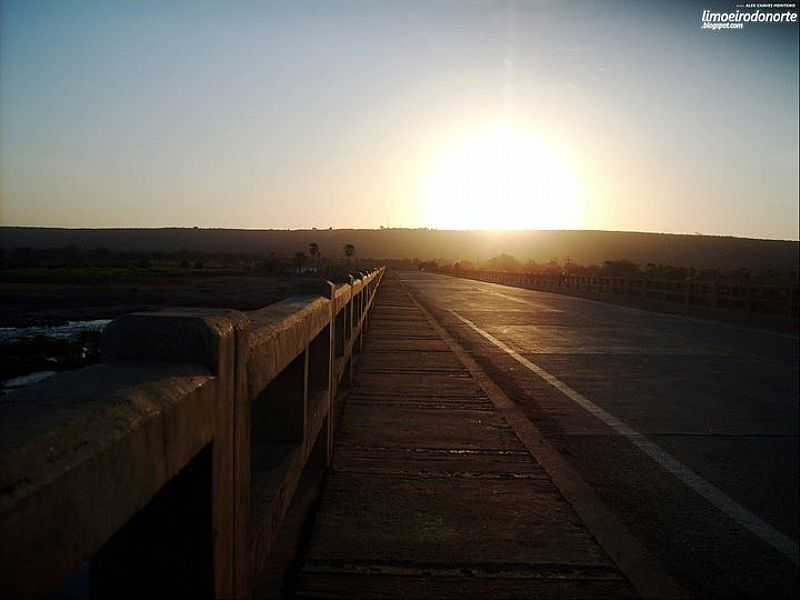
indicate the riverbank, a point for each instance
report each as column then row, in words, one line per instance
column 26, row 359
column 24, row 304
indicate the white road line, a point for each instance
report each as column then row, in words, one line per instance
column 753, row 523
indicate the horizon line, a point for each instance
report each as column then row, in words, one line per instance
column 385, row 228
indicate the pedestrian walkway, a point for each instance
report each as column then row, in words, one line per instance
column 432, row 495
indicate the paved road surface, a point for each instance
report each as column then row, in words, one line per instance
column 687, row 429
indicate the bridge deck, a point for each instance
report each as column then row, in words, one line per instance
column 432, row 495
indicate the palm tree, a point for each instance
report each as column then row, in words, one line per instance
column 313, row 250
column 349, row 251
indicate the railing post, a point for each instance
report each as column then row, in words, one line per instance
column 361, row 309
column 350, row 328
column 211, row 338
column 367, row 305
column 323, row 450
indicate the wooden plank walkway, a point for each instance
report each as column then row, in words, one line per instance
column 432, row 495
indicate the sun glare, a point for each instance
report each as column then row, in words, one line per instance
column 501, row 177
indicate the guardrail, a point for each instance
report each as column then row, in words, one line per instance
column 172, row 464
column 687, row 296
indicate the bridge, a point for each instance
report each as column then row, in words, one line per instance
column 409, row 435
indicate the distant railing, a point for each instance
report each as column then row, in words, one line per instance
column 172, row 464
column 686, row 296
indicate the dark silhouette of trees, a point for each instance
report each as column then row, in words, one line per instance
column 349, row 251
column 625, row 268
column 659, row 271
column 429, row 265
column 503, row 262
column 619, row 267
column 300, row 259
column 313, row 250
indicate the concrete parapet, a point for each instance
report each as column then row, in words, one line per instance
column 181, row 453
column 83, row 452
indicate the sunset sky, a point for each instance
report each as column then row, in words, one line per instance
column 454, row 114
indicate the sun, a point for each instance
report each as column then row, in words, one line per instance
column 501, row 177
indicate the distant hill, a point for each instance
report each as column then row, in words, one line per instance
column 583, row 247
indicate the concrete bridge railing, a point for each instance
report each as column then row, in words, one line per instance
column 698, row 297
column 170, row 467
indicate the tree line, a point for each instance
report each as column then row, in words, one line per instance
column 610, row 268
column 318, row 262
column 73, row 256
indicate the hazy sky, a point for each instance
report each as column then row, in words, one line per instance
column 361, row 114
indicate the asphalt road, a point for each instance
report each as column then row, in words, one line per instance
column 687, row 429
